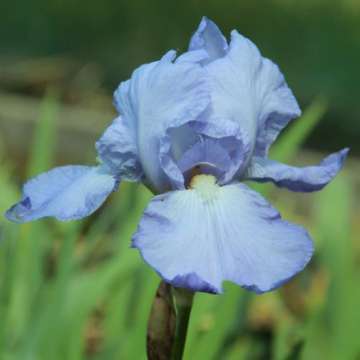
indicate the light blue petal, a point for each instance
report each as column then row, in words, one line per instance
column 158, row 96
column 278, row 109
column 208, row 156
column 217, row 147
column 200, row 237
column 66, row 193
column 251, row 90
column 195, row 56
column 117, row 149
column 208, row 37
column 309, row 178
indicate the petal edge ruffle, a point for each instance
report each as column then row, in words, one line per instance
column 117, row 149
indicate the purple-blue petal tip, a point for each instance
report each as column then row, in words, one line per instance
column 16, row 212
column 194, row 283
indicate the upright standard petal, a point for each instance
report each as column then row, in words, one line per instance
column 251, row 90
column 200, row 237
column 158, row 96
column 66, row 193
column 208, row 37
column 307, row 179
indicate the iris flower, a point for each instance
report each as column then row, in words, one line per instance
column 193, row 128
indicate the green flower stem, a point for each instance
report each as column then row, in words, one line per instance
column 183, row 300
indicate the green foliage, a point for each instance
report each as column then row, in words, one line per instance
column 293, row 138
column 78, row 291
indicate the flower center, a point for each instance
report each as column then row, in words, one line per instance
column 205, row 185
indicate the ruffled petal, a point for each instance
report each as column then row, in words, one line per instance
column 307, row 179
column 208, row 37
column 158, row 96
column 278, row 109
column 251, row 90
column 66, row 193
column 198, row 238
column 117, row 149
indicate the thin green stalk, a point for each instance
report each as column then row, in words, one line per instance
column 183, row 300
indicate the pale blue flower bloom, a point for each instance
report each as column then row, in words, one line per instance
column 192, row 128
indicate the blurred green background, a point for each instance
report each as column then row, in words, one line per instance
column 76, row 290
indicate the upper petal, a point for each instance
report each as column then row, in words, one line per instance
column 278, row 108
column 251, row 90
column 66, row 193
column 208, row 37
column 158, row 96
column 309, row 178
column 200, row 237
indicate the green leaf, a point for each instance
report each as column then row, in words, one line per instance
column 44, row 140
column 289, row 143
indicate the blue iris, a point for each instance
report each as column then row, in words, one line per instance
column 191, row 128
